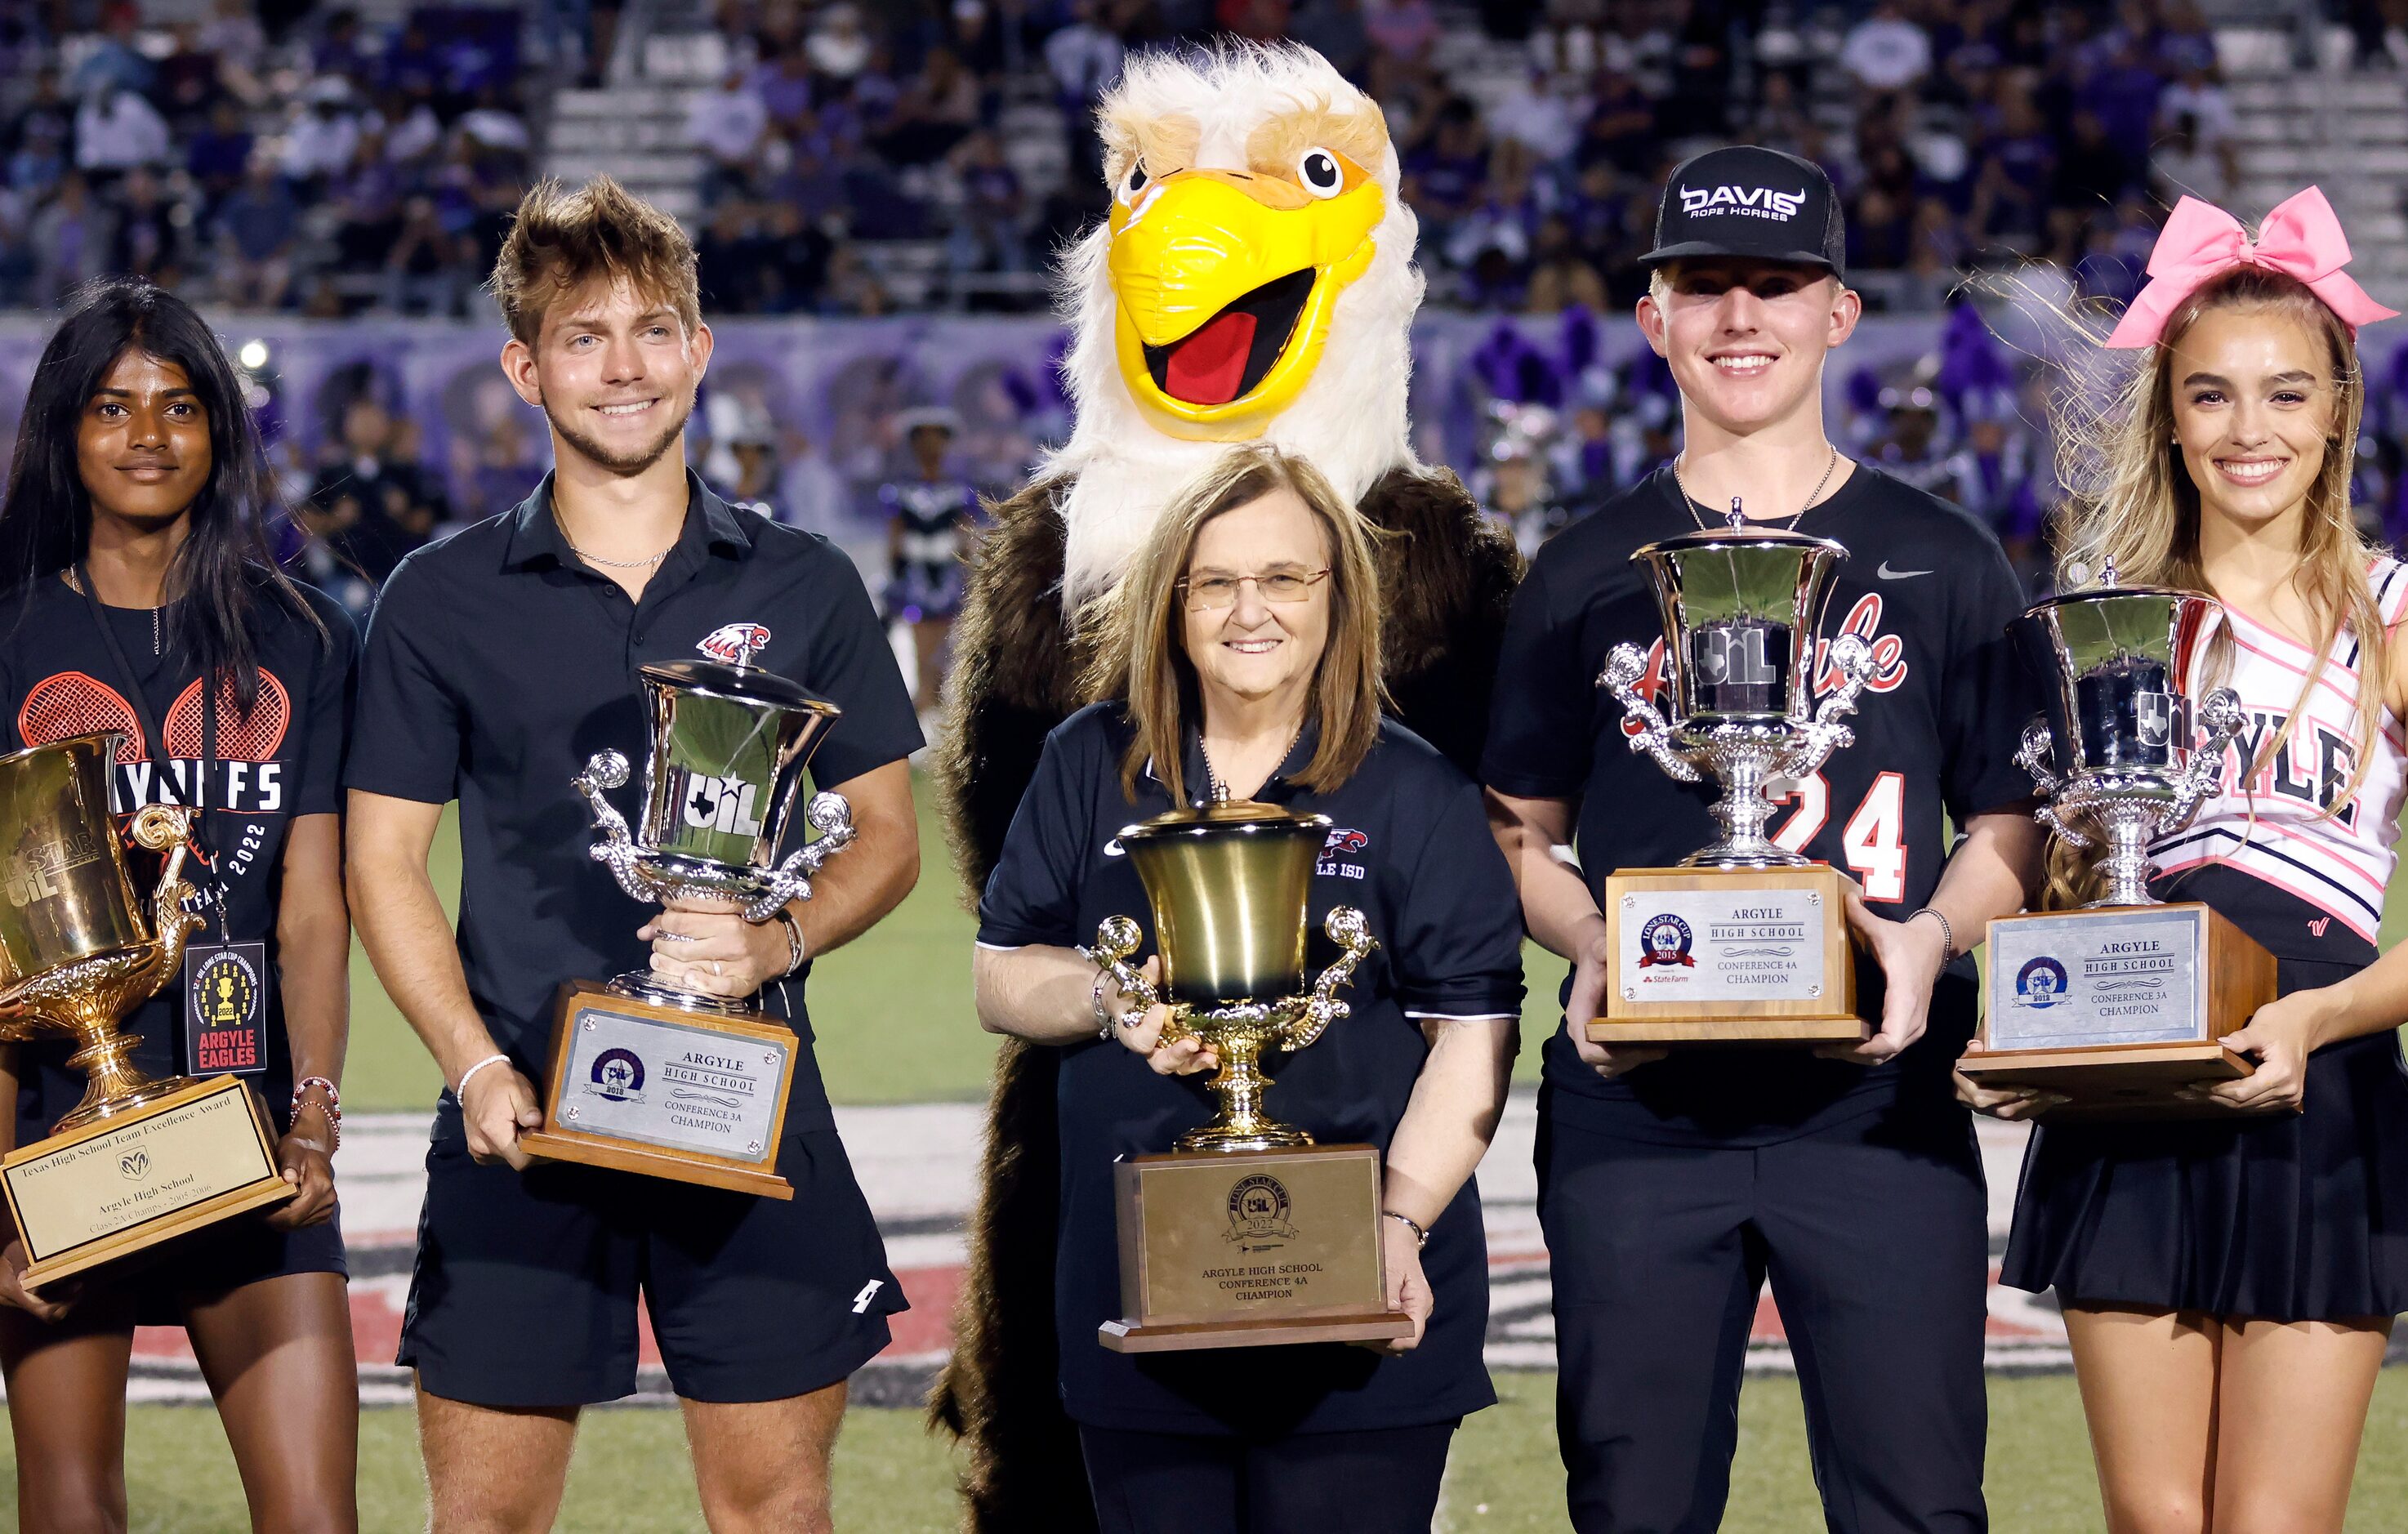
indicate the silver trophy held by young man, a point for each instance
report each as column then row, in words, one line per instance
column 2121, row 1003
column 1744, row 941
column 647, row 1074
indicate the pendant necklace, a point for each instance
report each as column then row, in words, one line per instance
column 1218, row 785
column 1813, row 495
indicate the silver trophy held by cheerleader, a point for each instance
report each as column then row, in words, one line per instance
column 1743, row 940
column 2119, row 1005
column 1740, row 607
column 646, row 1074
column 2128, row 747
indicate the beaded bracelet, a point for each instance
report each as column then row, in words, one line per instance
column 332, row 1107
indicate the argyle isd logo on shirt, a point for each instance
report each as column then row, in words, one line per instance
column 1753, row 202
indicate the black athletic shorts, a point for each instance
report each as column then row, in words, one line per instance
column 525, row 1287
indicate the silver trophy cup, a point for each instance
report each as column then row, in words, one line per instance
column 1741, row 605
column 2130, row 747
column 729, row 744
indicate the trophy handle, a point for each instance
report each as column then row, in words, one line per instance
column 167, row 828
column 2062, row 828
column 1825, row 733
column 1116, row 939
column 1624, row 666
column 2204, row 774
column 832, row 818
column 1351, row 933
column 2034, row 752
column 617, row 848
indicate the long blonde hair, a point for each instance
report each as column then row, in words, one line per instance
column 2134, row 503
column 1142, row 651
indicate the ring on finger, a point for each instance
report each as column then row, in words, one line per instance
column 675, row 937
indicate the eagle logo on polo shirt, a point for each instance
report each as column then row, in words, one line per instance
column 735, row 644
column 1341, row 840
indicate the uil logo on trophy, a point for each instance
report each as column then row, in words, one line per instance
column 730, row 743
column 1745, row 941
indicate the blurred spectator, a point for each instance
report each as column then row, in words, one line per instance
column 992, row 232
column 932, row 115
column 424, row 272
column 1401, row 29
column 370, row 504
column 116, row 129
column 257, row 228
column 931, row 517
column 152, row 233
column 1334, row 29
column 2182, row 165
column 839, row 47
column 726, row 124
column 1885, row 51
column 71, row 239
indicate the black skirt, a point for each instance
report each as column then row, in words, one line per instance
column 2302, row 1217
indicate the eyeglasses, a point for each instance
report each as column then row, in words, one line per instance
column 1218, row 593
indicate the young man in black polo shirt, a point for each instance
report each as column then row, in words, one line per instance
column 1673, row 1187
column 497, row 662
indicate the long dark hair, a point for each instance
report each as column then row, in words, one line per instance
column 225, row 563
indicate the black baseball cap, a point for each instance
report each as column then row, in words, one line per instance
column 1746, row 201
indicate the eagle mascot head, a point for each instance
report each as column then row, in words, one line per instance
column 1253, row 279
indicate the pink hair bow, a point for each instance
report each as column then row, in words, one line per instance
column 2301, row 237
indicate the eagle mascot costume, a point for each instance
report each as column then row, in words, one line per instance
column 1254, row 280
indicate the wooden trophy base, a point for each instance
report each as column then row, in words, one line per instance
column 1728, row 957
column 111, row 1189
column 1251, row 1249
column 694, row 1097
column 2119, row 1008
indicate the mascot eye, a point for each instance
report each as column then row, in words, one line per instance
column 1318, row 172
column 1136, row 181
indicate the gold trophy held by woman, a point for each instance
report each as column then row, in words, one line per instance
column 139, row 1161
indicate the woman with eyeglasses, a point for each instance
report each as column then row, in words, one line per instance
column 1246, row 658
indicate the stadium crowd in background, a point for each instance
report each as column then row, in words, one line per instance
column 272, row 157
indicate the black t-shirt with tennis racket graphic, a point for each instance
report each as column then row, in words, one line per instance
column 1936, row 730
column 282, row 758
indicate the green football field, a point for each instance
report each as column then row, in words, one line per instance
column 630, row 1473
column 892, row 1013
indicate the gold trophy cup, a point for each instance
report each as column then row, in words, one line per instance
column 139, row 1161
column 1247, row 1234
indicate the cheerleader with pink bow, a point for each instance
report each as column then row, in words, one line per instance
column 2229, row 1280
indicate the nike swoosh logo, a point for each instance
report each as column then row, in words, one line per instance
column 1888, row 574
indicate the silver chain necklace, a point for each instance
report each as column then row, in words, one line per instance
column 644, row 564
column 1812, row 497
column 1218, row 785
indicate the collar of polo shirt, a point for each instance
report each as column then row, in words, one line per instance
column 1277, row 789
column 536, row 538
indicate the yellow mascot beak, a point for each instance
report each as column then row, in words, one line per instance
column 1225, row 281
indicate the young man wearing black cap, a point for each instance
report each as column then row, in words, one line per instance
column 1673, row 1187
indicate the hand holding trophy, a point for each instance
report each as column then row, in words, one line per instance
column 2122, row 1004
column 139, row 1161
column 1743, row 941
column 647, row 1075
column 1247, row 1233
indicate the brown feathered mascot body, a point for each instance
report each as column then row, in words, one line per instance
column 1255, row 279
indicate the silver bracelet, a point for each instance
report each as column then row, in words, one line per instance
column 1421, row 1236
column 460, row 1093
column 794, row 927
column 1947, row 933
column 1104, row 1020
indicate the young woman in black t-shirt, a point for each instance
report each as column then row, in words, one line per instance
column 133, row 503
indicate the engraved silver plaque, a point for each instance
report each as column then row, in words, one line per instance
column 2096, row 978
column 1722, row 945
column 672, row 1084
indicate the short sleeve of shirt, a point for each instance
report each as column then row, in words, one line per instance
column 853, row 666
column 1539, row 725
column 408, row 722
column 1987, row 695
column 1032, row 896
column 1457, row 946
column 331, row 685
